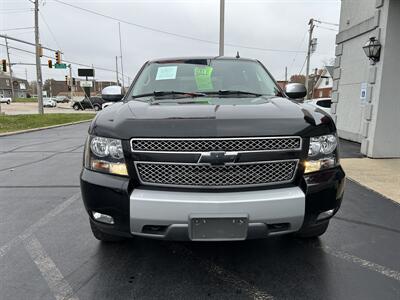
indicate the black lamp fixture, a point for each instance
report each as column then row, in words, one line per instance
column 372, row 49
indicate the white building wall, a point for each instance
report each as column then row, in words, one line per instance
column 383, row 140
column 353, row 74
column 374, row 120
column 355, row 11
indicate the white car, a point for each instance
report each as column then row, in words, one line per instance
column 322, row 103
column 49, row 102
column 7, row 100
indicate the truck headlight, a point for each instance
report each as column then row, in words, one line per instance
column 321, row 153
column 105, row 155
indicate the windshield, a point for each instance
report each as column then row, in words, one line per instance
column 205, row 75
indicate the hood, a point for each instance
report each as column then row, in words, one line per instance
column 211, row 117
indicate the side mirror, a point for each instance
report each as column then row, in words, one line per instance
column 295, row 90
column 112, row 93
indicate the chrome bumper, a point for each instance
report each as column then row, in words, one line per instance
column 172, row 209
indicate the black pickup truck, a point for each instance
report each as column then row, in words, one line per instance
column 210, row 149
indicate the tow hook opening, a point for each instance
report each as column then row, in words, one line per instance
column 278, row 227
column 154, row 229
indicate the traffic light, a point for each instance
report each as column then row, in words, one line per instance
column 4, row 63
column 50, row 63
column 73, row 81
column 66, row 79
column 58, row 57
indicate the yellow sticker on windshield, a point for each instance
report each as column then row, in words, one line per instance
column 203, row 78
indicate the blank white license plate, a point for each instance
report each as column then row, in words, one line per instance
column 218, row 228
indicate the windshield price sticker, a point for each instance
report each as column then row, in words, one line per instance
column 166, row 73
column 203, row 78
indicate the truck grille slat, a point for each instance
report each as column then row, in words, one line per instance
column 206, row 176
column 215, row 144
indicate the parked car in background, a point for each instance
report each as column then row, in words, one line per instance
column 61, row 99
column 49, row 102
column 7, row 100
column 322, row 103
column 89, row 103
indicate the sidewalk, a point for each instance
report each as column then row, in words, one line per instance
column 380, row 175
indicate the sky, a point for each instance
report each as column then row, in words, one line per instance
column 278, row 28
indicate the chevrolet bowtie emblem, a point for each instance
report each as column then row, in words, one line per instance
column 217, row 158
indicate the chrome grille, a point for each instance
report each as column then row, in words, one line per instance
column 206, row 176
column 215, row 144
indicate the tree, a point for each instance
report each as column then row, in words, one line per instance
column 33, row 87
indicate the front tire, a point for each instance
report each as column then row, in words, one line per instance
column 96, row 107
column 75, row 106
column 313, row 231
column 104, row 237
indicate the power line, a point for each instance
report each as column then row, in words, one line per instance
column 301, row 44
column 327, row 23
column 19, row 28
column 24, row 42
column 67, row 61
column 301, row 70
column 48, row 27
column 170, row 33
column 327, row 28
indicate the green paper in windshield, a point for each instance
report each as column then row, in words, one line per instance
column 203, row 78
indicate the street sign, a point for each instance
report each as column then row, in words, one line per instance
column 60, row 66
column 86, row 72
column 86, row 83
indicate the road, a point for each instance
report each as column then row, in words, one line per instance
column 47, row 250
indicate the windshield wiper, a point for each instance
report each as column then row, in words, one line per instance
column 168, row 93
column 233, row 92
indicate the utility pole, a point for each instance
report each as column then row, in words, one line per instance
column 38, row 66
column 26, row 74
column 221, row 26
column 310, row 32
column 70, row 78
column 94, row 81
column 120, row 50
column 116, row 68
column 286, row 74
column 11, row 77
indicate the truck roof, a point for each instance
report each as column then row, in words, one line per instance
column 183, row 59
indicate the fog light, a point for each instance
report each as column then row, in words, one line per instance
column 325, row 215
column 320, row 164
column 103, row 218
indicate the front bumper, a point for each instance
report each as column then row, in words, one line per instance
column 170, row 210
column 165, row 214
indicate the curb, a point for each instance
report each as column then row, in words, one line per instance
column 42, row 128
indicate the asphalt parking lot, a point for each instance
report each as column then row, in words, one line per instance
column 32, row 108
column 47, row 250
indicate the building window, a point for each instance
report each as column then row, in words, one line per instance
column 7, row 82
column 321, row 94
column 327, row 81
